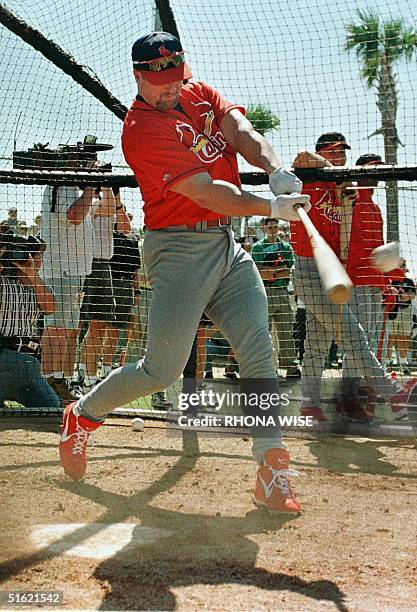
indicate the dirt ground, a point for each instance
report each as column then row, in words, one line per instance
column 155, row 528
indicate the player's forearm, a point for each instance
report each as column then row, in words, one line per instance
column 227, row 199
column 256, row 150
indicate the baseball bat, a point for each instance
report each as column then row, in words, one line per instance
column 333, row 275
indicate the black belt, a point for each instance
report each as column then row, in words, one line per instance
column 21, row 344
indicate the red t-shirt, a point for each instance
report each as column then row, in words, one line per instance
column 366, row 235
column 165, row 147
column 324, row 213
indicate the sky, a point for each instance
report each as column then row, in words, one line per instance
column 287, row 55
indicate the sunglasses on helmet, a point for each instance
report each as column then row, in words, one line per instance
column 161, row 63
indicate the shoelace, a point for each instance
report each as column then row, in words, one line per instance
column 280, row 479
column 81, row 436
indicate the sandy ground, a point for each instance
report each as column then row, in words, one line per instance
column 155, row 528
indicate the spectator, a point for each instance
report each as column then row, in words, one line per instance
column 219, row 353
column 67, row 228
column 99, row 304
column 24, row 297
column 12, row 221
column 400, row 337
column 275, row 259
column 325, row 320
column 125, row 265
column 367, row 233
column 35, row 229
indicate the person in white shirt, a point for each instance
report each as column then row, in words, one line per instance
column 99, row 303
column 67, row 229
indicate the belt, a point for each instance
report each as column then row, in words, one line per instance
column 21, row 344
column 200, row 226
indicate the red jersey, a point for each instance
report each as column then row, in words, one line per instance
column 324, row 213
column 366, row 235
column 165, row 147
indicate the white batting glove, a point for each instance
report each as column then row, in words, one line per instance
column 283, row 181
column 387, row 257
column 282, row 207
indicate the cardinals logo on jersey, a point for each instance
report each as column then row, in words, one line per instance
column 330, row 211
column 207, row 147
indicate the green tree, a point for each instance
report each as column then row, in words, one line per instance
column 379, row 45
column 262, row 118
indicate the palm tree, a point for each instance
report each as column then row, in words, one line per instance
column 262, row 118
column 379, row 45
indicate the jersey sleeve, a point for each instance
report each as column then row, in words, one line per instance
column 161, row 153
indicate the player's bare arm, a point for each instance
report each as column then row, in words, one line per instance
column 227, row 199
column 244, row 139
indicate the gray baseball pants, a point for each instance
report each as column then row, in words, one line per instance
column 366, row 307
column 281, row 323
column 192, row 271
column 324, row 320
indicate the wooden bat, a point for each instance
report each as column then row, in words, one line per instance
column 334, row 277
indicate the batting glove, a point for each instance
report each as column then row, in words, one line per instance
column 387, row 257
column 283, row 181
column 282, row 207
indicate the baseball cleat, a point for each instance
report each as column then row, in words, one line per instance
column 315, row 412
column 400, row 401
column 272, row 488
column 160, row 400
column 75, row 432
column 353, row 410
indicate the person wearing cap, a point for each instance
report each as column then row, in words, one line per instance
column 326, row 321
column 367, row 233
column 23, row 300
column 181, row 139
column 275, row 259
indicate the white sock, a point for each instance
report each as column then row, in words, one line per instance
column 89, row 381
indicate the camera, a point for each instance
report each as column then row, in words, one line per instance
column 81, row 156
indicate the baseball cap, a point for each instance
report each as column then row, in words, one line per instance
column 160, row 58
column 369, row 159
column 331, row 140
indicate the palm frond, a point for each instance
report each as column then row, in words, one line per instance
column 262, row 118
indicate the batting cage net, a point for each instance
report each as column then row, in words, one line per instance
column 75, row 296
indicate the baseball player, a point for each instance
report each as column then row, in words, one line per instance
column 367, row 234
column 181, row 139
column 325, row 320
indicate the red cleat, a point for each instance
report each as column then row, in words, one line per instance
column 401, row 400
column 353, row 410
column 272, row 488
column 72, row 446
column 317, row 414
